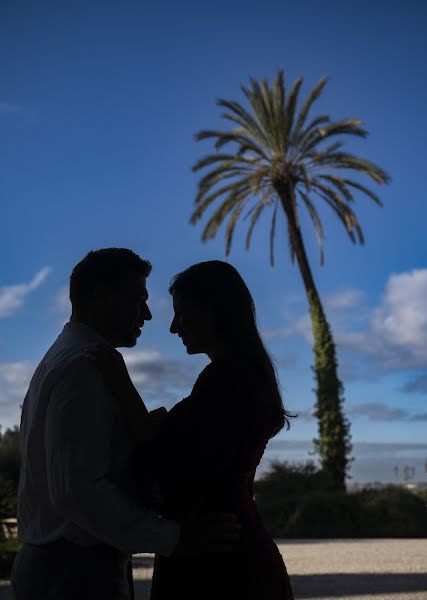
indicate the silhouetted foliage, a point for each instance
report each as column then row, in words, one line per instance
column 282, row 160
column 10, row 463
column 8, row 492
column 8, row 550
column 10, row 459
column 279, row 491
column 422, row 493
column 297, row 501
column 333, row 444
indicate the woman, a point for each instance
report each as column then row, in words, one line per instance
column 212, row 441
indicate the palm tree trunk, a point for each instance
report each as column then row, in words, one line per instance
column 333, row 444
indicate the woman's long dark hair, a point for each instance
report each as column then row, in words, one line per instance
column 217, row 285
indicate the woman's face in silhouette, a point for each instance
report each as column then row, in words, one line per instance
column 195, row 325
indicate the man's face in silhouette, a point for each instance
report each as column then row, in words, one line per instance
column 121, row 312
column 194, row 324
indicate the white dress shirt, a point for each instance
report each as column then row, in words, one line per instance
column 72, row 438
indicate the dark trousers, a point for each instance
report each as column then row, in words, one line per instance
column 65, row 571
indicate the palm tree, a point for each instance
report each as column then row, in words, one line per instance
column 280, row 158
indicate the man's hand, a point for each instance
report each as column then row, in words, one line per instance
column 208, row 533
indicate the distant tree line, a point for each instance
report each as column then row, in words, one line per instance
column 295, row 500
column 10, row 464
column 300, row 501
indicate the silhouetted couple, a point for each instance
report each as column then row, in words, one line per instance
column 103, row 478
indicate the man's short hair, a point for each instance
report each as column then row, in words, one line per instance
column 110, row 267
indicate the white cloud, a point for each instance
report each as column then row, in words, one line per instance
column 345, row 299
column 15, row 378
column 393, row 334
column 374, row 411
column 9, row 109
column 401, row 319
column 12, row 297
column 160, row 378
column 62, row 301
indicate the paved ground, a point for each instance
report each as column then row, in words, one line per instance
column 327, row 570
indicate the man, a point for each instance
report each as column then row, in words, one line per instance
column 76, row 519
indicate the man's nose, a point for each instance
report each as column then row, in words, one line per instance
column 146, row 313
column 173, row 328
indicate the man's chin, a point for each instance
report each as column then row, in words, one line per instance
column 128, row 343
column 191, row 350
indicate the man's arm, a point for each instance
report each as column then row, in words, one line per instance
column 79, row 424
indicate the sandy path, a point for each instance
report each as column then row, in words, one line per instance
column 349, row 569
column 327, row 570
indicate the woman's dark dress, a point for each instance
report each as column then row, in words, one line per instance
column 205, row 462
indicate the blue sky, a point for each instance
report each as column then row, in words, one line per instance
column 99, row 104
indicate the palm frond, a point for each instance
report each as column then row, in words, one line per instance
column 312, row 97
column 224, row 190
column 256, row 213
column 347, row 217
column 255, row 216
column 230, row 202
column 245, row 119
column 208, row 181
column 309, row 132
column 365, row 190
column 343, row 160
column 340, row 184
column 291, row 106
column 272, row 233
column 237, row 138
column 343, row 127
column 331, row 193
column 262, row 116
column 279, row 99
column 231, row 225
column 318, row 227
column 210, row 159
column 301, row 174
column 291, row 245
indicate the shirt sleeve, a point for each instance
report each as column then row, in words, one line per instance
column 79, row 425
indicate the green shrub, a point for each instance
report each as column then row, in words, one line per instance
column 296, row 501
column 7, row 498
column 422, row 493
column 10, row 459
column 280, row 490
column 392, row 511
column 324, row 514
column 8, row 551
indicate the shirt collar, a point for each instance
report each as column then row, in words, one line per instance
column 85, row 331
